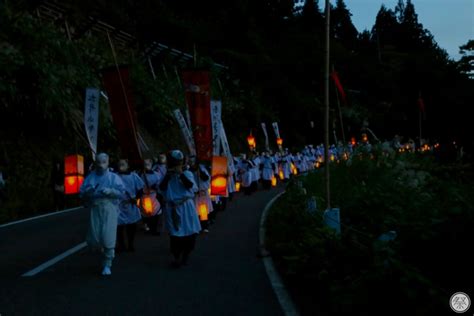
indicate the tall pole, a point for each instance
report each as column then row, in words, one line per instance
column 326, row 105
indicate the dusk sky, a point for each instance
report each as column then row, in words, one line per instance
column 450, row 21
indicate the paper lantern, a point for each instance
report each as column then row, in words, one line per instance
column 147, row 205
column 294, row 171
column 73, row 173
column 203, row 213
column 318, row 164
column 72, row 184
column 237, row 187
column 219, row 176
column 281, row 175
column 279, row 141
column 333, row 157
column 251, row 141
column 274, row 181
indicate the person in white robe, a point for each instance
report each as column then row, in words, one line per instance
column 182, row 222
column 101, row 192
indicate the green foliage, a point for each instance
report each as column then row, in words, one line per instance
column 429, row 206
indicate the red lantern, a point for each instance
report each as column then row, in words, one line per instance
column 280, row 141
column 219, row 176
column 73, row 173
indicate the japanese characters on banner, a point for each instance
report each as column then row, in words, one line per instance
column 267, row 143
column 276, row 130
column 119, row 91
column 216, row 110
column 91, row 118
column 198, row 98
column 188, row 137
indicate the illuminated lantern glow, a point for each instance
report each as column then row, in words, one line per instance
column 353, row 141
column 280, row 141
column 73, row 173
column 72, row 184
column 237, row 186
column 274, row 181
column 281, row 175
column 294, row 171
column 203, row 213
column 219, row 185
column 318, row 164
column 219, row 176
column 147, row 205
column 251, row 141
column 364, row 138
column 333, row 157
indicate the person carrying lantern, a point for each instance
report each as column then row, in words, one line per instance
column 149, row 204
column 129, row 213
column 182, row 222
column 101, row 192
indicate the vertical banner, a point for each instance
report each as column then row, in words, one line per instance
column 119, row 91
column 188, row 137
column 91, row 118
column 216, row 110
column 219, row 176
column 198, row 98
column 267, row 143
column 276, row 130
column 226, row 149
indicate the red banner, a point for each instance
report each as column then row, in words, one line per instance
column 198, row 98
column 119, row 91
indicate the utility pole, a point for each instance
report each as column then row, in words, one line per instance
column 326, row 105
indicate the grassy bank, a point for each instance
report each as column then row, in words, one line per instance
column 427, row 204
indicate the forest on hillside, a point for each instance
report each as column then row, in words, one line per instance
column 274, row 60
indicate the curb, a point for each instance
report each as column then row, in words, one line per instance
column 278, row 286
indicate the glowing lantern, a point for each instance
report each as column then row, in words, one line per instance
column 237, row 186
column 318, row 164
column 281, row 175
column 364, row 137
column 147, row 205
column 251, row 141
column 333, row 157
column 353, row 141
column 274, row 181
column 280, row 141
column 294, row 171
column 219, row 176
column 203, row 213
column 73, row 173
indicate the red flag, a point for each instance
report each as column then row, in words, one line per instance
column 337, row 82
column 119, row 92
column 421, row 104
column 198, row 98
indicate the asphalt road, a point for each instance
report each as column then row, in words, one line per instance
column 225, row 276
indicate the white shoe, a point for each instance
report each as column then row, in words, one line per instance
column 106, row 271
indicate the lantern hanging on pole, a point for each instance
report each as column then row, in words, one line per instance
column 279, row 142
column 73, row 173
column 251, row 141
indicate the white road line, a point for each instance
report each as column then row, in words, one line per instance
column 55, row 260
column 278, row 286
column 41, row 216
